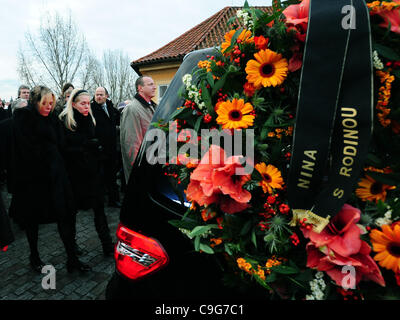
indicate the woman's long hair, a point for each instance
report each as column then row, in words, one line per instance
column 68, row 112
column 37, row 94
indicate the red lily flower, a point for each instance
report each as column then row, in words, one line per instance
column 214, row 181
column 338, row 245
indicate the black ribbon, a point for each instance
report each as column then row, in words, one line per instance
column 334, row 112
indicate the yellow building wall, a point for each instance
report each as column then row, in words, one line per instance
column 162, row 74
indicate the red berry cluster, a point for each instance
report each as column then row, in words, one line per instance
column 190, row 104
column 303, row 224
column 348, row 294
column 295, row 239
column 221, row 97
column 173, row 175
column 393, row 64
column 237, row 53
column 284, row 208
column 207, row 118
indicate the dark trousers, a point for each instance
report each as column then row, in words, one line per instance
column 110, row 179
column 100, row 223
column 65, row 229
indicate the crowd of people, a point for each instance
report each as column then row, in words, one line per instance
column 59, row 156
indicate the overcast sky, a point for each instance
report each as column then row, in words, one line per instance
column 136, row 27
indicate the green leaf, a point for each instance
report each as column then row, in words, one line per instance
column 246, row 228
column 178, row 112
column 374, row 160
column 271, row 278
column 261, row 282
column 262, row 146
column 198, row 124
column 234, row 38
column 220, row 83
column 197, row 243
column 205, row 248
column 254, row 238
column 187, row 223
column 227, row 249
column 297, row 283
column 264, row 133
column 391, row 179
column 387, row 52
column 205, row 94
column 210, row 79
column 199, row 230
column 396, row 73
column 284, row 269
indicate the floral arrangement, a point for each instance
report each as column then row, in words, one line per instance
column 252, row 82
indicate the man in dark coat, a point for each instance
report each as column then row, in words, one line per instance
column 107, row 117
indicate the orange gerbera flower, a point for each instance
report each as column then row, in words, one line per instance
column 272, row 178
column 244, row 37
column 372, row 190
column 269, row 69
column 387, row 244
column 235, row 114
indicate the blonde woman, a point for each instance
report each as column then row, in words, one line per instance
column 39, row 182
column 83, row 157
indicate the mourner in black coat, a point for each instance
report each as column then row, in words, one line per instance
column 40, row 186
column 3, row 113
column 6, row 234
column 106, row 132
column 83, row 156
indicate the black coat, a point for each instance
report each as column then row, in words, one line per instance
column 4, row 114
column 7, row 152
column 106, row 127
column 6, row 234
column 83, row 154
column 40, row 186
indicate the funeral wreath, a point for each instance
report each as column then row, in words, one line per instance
column 314, row 88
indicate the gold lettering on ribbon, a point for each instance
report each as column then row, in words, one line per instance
column 350, row 139
column 307, row 169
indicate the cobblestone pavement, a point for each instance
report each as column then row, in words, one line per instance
column 19, row 282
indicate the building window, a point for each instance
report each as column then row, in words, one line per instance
column 161, row 91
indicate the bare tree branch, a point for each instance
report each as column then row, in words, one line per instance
column 55, row 54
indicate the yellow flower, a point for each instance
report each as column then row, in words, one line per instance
column 273, row 261
column 244, row 265
column 269, row 69
column 260, row 272
column 235, row 114
column 387, row 244
column 245, row 36
column 215, row 242
column 372, row 190
column 205, row 64
column 272, row 178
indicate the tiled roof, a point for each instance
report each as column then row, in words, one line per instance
column 208, row 33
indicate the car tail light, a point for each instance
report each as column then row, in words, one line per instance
column 137, row 255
